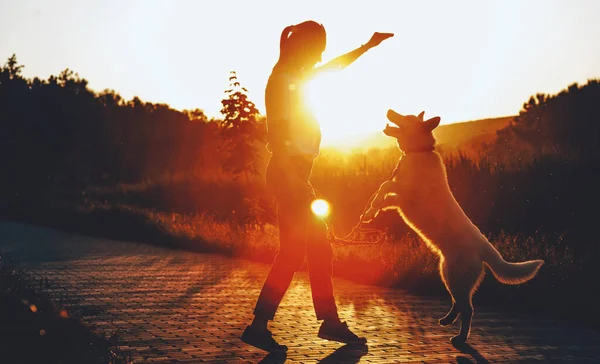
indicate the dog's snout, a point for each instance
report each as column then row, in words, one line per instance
column 390, row 113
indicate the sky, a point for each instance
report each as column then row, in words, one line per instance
column 461, row 60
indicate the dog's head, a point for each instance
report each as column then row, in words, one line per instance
column 412, row 132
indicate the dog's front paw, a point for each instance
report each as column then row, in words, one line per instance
column 368, row 216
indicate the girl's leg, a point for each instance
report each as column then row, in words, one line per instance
column 320, row 269
column 289, row 259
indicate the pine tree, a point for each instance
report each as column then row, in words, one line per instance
column 241, row 132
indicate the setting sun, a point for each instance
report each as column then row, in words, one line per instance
column 342, row 116
column 320, row 207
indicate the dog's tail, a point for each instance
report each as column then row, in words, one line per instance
column 506, row 272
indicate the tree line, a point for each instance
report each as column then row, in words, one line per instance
column 58, row 135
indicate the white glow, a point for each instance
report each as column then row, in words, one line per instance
column 320, row 207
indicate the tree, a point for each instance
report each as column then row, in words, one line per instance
column 13, row 68
column 565, row 124
column 57, row 136
column 242, row 131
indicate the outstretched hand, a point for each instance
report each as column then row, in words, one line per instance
column 377, row 38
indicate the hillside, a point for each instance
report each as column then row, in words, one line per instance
column 468, row 136
column 469, row 133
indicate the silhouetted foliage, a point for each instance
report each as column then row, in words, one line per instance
column 58, row 135
column 566, row 124
column 243, row 132
column 59, row 138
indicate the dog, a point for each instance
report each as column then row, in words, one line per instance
column 420, row 193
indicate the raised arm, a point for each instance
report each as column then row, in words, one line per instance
column 345, row 60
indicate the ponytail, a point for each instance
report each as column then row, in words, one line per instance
column 284, row 43
column 284, row 37
column 290, row 35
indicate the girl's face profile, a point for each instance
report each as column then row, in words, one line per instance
column 308, row 54
column 312, row 58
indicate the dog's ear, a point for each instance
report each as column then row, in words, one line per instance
column 432, row 123
column 421, row 115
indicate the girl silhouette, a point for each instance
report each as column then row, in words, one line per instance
column 294, row 139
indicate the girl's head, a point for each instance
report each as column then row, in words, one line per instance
column 302, row 45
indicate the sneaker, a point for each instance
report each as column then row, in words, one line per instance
column 262, row 339
column 339, row 332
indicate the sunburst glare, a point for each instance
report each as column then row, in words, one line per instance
column 320, row 207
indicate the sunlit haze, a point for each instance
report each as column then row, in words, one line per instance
column 461, row 60
column 320, row 207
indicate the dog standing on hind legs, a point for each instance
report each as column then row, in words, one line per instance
column 420, row 193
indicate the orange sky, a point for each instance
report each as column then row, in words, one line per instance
column 461, row 60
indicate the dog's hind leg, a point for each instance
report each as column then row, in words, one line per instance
column 463, row 280
column 452, row 315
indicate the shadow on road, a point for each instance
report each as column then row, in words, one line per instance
column 274, row 358
column 469, row 350
column 346, row 354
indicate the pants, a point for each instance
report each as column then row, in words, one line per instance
column 301, row 235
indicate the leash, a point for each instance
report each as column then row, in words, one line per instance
column 359, row 235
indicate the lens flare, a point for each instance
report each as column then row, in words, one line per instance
column 320, row 207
